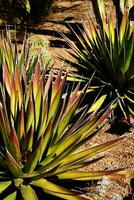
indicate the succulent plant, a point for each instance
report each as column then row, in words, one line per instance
column 26, row 55
column 38, row 45
column 41, row 130
column 106, row 52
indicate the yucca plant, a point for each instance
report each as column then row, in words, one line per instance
column 108, row 53
column 41, row 130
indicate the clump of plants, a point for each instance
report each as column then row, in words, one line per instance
column 32, row 51
column 106, row 52
column 41, row 130
column 38, row 46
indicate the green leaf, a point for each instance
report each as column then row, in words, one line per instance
column 36, row 80
column 37, row 104
column 6, row 78
column 129, row 98
column 18, row 182
column 14, row 144
column 56, row 85
column 18, row 87
column 131, row 110
column 28, row 193
column 47, row 87
column 56, row 101
column 89, row 153
column 95, row 175
column 11, row 196
column 46, row 138
column 44, row 118
column 28, row 140
column 4, row 185
column 68, row 114
column 33, row 158
column 99, row 9
column 97, row 104
column 21, row 124
column 13, row 101
column 13, row 166
column 30, row 114
column 123, row 28
column 3, row 128
column 111, row 30
column 56, row 190
column 71, row 140
column 87, row 129
column 28, row 7
column 128, row 54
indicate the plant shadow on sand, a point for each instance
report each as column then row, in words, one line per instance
column 17, row 13
column 119, row 127
column 131, row 195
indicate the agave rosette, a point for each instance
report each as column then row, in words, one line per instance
column 107, row 51
column 41, row 129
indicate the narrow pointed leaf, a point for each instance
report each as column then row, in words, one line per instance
column 28, row 140
column 11, row 196
column 97, row 104
column 13, row 103
column 6, row 79
column 56, row 101
column 129, row 54
column 56, row 85
column 67, row 116
column 123, row 27
column 3, row 128
column 33, row 158
column 92, row 175
column 89, row 153
column 30, row 118
column 21, row 125
column 4, row 185
column 28, row 193
column 36, row 80
column 14, row 144
column 13, row 165
column 46, row 138
column 56, row 190
column 38, row 103
column 44, row 119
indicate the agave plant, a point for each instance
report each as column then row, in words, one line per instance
column 107, row 51
column 41, row 130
